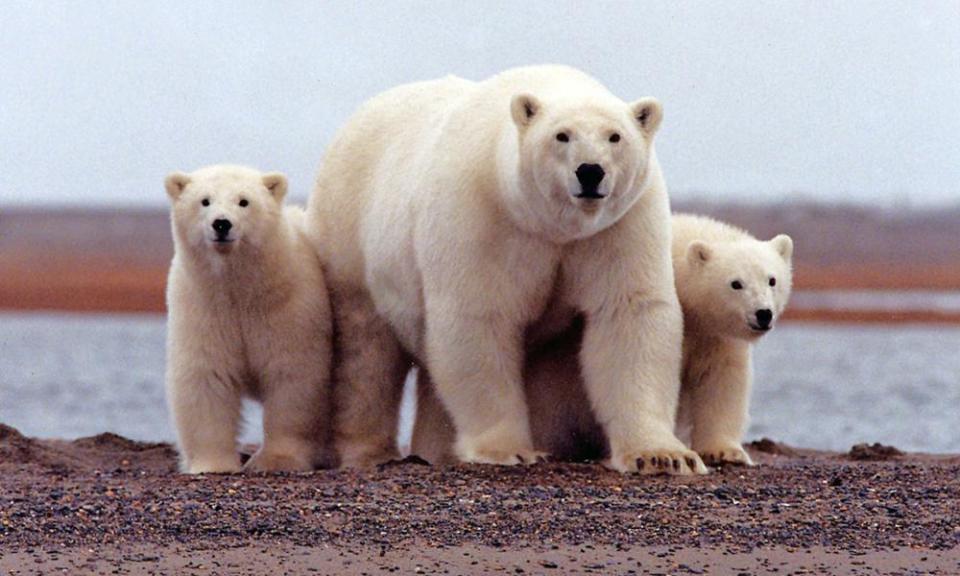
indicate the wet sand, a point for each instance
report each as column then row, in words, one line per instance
column 111, row 505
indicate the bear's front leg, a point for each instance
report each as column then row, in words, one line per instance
column 475, row 362
column 719, row 402
column 206, row 412
column 631, row 366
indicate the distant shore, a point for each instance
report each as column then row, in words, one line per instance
column 116, row 261
column 108, row 502
column 103, row 287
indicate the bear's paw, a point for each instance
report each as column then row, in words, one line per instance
column 676, row 462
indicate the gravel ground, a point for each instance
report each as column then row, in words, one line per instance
column 110, row 505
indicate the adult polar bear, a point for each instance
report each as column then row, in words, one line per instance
column 454, row 218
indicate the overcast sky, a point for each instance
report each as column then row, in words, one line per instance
column 834, row 101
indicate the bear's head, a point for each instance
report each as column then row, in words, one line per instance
column 582, row 161
column 225, row 209
column 737, row 289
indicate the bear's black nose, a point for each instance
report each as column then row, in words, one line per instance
column 764, row 316
column 590, row 176
column 222, row 227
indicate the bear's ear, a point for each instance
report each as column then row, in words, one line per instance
column 524, row 108
column 175, row 183
column 276, row 184
column 699, row 252
column 783, row 244
column 648, row 113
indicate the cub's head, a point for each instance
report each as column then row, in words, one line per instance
column 225, row 209
column 583, row 160
column 737, row 289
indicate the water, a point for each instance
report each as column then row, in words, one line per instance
column 878, row 300
column 817, row 386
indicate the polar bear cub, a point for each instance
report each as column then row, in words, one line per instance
column 452, row 216
column 248, row 317
column 732, row 288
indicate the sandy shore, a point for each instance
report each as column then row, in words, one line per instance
column 110, row 505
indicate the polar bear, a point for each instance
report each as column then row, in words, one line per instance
column 248, row 316
column 732, row 288
column 455, row 217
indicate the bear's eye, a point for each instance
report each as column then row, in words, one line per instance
column 614, row 138
column 205, row 202
column 244, row 203
column 562, row 137
column 773, row 281
column 736, row 285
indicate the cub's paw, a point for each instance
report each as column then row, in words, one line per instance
column 678, row 462
column 277, row 462
column 728, row 453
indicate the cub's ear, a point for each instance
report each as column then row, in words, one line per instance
column 175, row 183
column 648, row 113
column 699, row 253
column 276, row 183
column 783, row 244
column 524, row 108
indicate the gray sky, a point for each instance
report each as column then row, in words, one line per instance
column 836, row 101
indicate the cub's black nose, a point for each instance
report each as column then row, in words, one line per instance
column 590, row 177
column 222, row 227
column 764, row 316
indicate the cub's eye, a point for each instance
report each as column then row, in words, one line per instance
column 562, row 137
column 614, row 138
column 244, row 203
column 205, row 202
column 736, row 285
column 773, row 281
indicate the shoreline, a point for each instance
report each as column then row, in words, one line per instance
column 116, row 260
column 100, row 287
column 106, row 501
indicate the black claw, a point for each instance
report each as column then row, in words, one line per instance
column 520, row 458
column 641, row 463
column 676, row 464
column 690, row 463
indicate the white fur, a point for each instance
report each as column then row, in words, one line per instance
column 714, row 402
column 247, row 317
column 720, row 325
column 447, row 219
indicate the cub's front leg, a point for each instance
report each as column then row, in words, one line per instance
column 295, row 410
column 716, row 389
column 205, row 406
